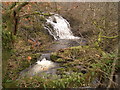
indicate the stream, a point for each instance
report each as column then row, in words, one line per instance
column 60, row 29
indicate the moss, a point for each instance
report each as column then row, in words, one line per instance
column 60, row 70
column 10, row 85
column 35, row 56
column 65, row 82
column 60, row 60
column 79, row 67
column 54, row 57
column 75, row 55
column 84, row 57
column 5, row 61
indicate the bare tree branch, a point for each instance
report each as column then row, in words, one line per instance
column 18, row 7
column 112, row 71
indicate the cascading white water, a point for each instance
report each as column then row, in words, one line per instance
column 61, row 31
column 61, row 28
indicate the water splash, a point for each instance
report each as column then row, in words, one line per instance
column 45, row 63
column 61, row 28
column 61, row 31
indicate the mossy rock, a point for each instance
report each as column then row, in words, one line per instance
column 76, row 54
column 77, row 58
column 54, row 57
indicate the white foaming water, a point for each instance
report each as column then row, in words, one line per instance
column 45, row 63
column 61, row 28
column 60, row 31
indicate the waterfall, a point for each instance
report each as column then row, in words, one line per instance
column 60, row 28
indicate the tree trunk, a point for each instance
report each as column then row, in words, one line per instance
column 12, row 17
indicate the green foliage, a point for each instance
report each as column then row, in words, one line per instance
column 70, row 75
column 72, row 80
column 96, row 62
column 80, row 66
column 7, row 39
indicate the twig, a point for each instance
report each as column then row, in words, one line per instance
column 107, row 77
column 81, row 37
column 28, row 14
column 113, row 70
column 110, row 37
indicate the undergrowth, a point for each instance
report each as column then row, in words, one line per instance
column 81, row 66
